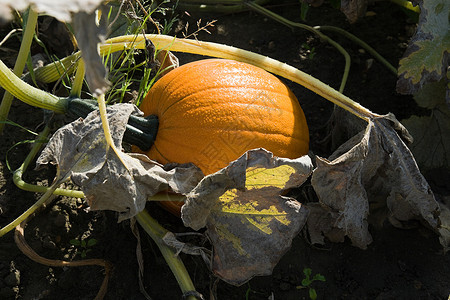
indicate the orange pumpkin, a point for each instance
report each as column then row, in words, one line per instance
column 211, row 111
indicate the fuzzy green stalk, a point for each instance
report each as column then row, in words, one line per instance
column 42, row 202
column 22, row 57
column 292, row 25
column 10, row 82
column 29, row 94
column 77, row 83
column 223, row 51
column 53, row 71
column 17, row 175
column 157, row 232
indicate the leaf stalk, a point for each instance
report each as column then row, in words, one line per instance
column 29, row 94
column 157, row 232
column 223, row 51
column 22, row 57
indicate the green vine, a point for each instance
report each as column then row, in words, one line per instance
column 22, row 57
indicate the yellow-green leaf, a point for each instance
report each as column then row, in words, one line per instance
column 427, row 56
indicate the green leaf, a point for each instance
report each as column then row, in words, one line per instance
column 319, row 277
column 75, row 242
column 426, row 57
column 307, row 272
column 91, row 242
column 312, row 294
column 306, row 282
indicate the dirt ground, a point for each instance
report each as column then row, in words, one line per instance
column 399, row 264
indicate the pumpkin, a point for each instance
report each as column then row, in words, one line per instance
column 212, row 111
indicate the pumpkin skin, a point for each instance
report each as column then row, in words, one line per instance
column 212, row 111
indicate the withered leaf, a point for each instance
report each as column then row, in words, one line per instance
column 89, row 35
column 167, row 60
column 354, row 9
column 81, row 13
column 431, row 134
column 373, row 168
column 250, row 224
column 431, row 147
column 61, row 10
column 444, row 228
column 80, row 151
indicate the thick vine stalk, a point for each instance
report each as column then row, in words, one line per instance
column 157, row 232
column 22, row 57
column 29, row 94
column 222, row 51
column 45, row 100
column 77, row 82
column 18, row 173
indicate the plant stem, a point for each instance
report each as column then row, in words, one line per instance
column 77, row 83
column 54, row 70
column 42, row 99
column 42, row 202
column 292, row 25
column 361, row 43
column 29, row 94
column 157, row 232
column 20, row 63
column 106, row 130
column 228, row 52
column 17, row 175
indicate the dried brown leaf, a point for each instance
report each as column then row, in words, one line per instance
column 444, row 228
column 250, row 224
column 80, row 151
column 167, row 60
column 431, row 146
column 354, row 9
column 62, row 10
column 373, row 168
column 89, row 35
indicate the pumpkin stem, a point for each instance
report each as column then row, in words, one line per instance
column 140, row 131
